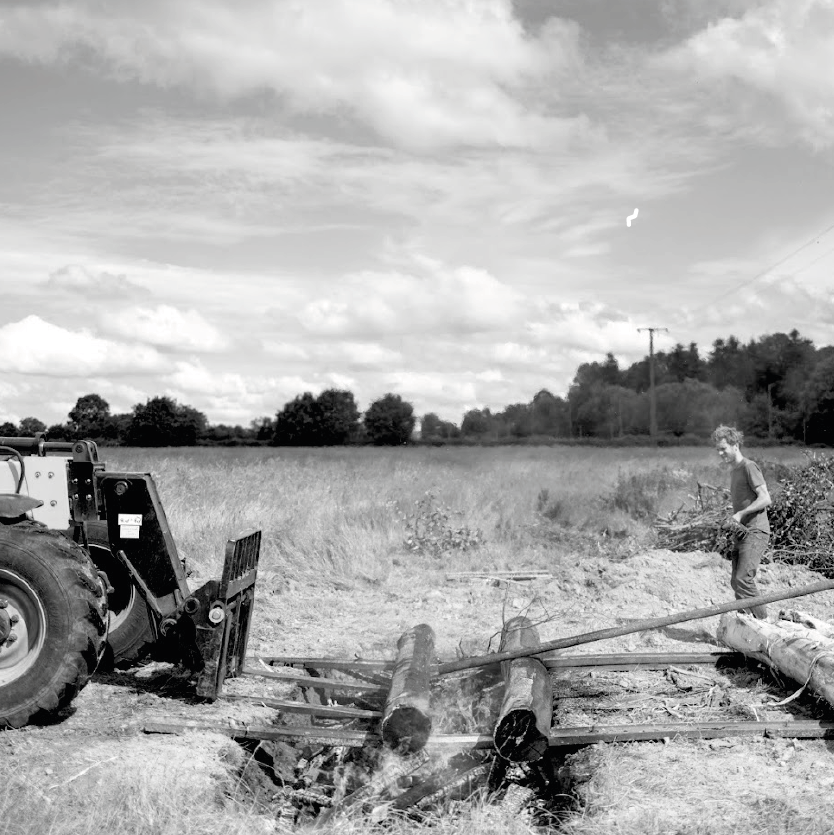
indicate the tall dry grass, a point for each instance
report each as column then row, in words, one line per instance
column 341, row 514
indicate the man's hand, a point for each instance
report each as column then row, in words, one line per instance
column 733, row 525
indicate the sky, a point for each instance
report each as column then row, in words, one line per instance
column 231, row 203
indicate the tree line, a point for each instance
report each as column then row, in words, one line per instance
column 779, row 387
column 332, row 418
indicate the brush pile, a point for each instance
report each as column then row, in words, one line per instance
column 707, row 526
column 802, row 515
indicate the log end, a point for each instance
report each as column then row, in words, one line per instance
column 518, row 737
column 406, row 730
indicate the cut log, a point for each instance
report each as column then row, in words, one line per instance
column 809, row 621
column 802, row 654
column 523, row 726
column 406, row 720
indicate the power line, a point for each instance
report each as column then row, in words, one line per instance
column 769, row 269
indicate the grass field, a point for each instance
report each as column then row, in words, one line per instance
column 342, row 517
column 344, row 514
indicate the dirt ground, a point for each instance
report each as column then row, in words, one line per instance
column 102, row 729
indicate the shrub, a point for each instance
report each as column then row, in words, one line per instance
column 430, row 530
column 801, row 515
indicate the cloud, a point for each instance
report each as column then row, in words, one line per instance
column 366, row 354
column 75, row 278
column 421, row 75
column 165, row 327
column 590, row 328
column 289, row 351
column 782, row 49
column 431, row 299
column 34, row 346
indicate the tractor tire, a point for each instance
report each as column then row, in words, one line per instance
column 57, row 605
column 130, row 634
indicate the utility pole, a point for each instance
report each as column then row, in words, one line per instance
column 652, row 399
column 769, row 410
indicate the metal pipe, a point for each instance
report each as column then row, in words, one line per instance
column 640, row 626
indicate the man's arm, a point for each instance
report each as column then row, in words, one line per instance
column 761, row 502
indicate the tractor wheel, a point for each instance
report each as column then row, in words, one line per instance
column 53, row 618
column 130, row 631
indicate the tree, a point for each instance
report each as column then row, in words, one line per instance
column 161, row 421
column 90, row 418
column 338, row 416
column 8, row 430
column 818, row 404
column 297, row 424
column 476, row 423
column 30, row 426
column 389, row 420
column 59, row 432
column 549, row 415
column 263, row 428
column 430, row 426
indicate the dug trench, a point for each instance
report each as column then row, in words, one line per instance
column 757, row 784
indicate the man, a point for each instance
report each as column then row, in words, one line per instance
column 750, row 498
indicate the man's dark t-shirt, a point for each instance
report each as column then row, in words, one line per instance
column 746, row 477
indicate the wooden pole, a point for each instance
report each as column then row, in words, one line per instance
column 640, row 626
column 523, row 726
column 800, row 653
column 406, row 721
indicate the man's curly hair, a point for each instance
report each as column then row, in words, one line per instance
column 729, row 434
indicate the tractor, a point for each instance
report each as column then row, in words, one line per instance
column 90, row 576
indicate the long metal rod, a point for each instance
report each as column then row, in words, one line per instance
column 645, row 660
column 316, row 683
column 793, row 728
column 640, row 626
column 323, row 711
column 611, row 660
column 559, row 737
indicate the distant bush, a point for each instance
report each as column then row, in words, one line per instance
column 640, row 494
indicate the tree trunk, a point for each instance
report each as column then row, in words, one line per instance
column 523, row 727
column 406, row 722
column 805, row 655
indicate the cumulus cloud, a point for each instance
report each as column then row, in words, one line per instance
column 166, row 327
column 588, row 327
column 34, row 346
column 421, row 74
column 433, row 299
column 782, row 49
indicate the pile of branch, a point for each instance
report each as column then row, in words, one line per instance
column 701, row 527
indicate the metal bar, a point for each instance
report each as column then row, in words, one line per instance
column 362, row 664
column 325, row 711
column 629, row 660
column 641, row 626
column 318, row 683
column 551, row 660
column 323, row 736
column 562, row 737
column 796, row 728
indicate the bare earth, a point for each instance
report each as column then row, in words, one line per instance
column 101, row 733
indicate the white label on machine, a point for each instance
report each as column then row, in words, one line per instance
column 130, row 519
column 129, row 531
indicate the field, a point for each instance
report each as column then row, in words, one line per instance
column 356, row 543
